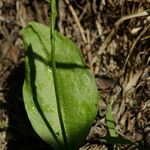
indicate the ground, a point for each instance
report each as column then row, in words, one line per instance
column 114, row 37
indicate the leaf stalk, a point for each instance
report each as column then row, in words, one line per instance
column 53, row 60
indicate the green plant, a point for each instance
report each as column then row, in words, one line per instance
column 113, row 137
column 59, row 91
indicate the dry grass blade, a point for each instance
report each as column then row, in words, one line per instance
column 76, row 20
column 135, row 42
column 139, row 14
column 117, row 24
column 131, row 82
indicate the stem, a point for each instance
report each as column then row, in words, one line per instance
column 52, row 39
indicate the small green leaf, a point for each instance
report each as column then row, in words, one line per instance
column 76, row 88
column 113, row 138
column 110, row 122
column 116, row 140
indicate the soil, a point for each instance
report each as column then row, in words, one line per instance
column 114, row 37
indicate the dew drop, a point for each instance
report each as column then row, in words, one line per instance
column 49, row 70
column 48, row 109
column 41, row 85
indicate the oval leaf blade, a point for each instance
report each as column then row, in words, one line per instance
column 76, row 86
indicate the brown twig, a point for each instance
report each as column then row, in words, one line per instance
column 135, row 42
column 76, row 20
column 113, row 31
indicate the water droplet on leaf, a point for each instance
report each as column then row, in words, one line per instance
column 49, row 70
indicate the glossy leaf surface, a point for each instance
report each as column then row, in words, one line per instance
column 76, row 86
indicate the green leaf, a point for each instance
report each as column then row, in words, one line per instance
column 113, row 138
column 110, row 122
column 116, row 140
column 76, row 88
